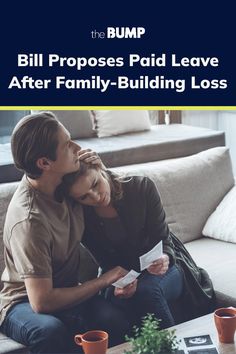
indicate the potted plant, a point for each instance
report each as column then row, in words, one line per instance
column 149, row 339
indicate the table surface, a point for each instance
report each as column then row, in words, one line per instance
column 199, row 326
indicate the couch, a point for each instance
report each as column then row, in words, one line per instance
column 157, row 142
column 191, row 187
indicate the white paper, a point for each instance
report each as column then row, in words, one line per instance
column 148, row 258
column 127, row 279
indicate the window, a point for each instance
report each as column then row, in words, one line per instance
column 8, row 120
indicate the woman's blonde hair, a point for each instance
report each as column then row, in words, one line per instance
column 114, row 180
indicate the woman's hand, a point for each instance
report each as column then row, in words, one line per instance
column 160, row 266
column 126, row 292
column 90, row 156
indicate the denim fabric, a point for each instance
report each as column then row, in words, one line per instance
column 46, row 333
column 154, row 294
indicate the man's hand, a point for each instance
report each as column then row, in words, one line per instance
column 113, row 275
column 90, row 156
column 126, row 292
column 44, row 298
column 160, row 266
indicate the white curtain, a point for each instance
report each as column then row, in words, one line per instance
column 217, row 120
column 207, row 119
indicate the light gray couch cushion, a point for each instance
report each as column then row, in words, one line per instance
column 78, row 123
column 190, row 187
column 9, row 346
column 6, row 193
column 219, row 259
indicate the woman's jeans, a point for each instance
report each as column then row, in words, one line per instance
column 154, row 294
column 44, row 333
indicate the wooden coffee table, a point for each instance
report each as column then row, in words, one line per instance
column 199, row 326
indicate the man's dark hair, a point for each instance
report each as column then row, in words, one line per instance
column 34, row 136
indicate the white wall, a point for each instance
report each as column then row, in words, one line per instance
column 218, row 120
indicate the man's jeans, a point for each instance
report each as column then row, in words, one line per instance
column 154, row 294
column 44, row 333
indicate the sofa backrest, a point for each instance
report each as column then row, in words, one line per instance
column 190, row 187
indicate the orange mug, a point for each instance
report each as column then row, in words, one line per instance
column 93, row 342
column 225, row 321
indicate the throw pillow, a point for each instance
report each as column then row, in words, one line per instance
column 221, row 224
column 119, row 122
column 78, row 123
column 190, row 187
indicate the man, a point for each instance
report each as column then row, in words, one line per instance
column 42, row 305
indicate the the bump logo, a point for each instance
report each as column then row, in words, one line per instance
column 125, row 32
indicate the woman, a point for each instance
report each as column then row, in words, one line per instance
column 124, row 219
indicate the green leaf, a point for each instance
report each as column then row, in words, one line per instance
column 149, row 339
